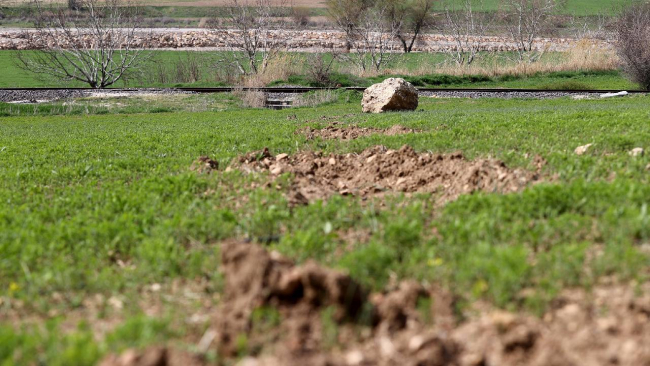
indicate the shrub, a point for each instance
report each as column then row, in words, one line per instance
column 300, row 16
column 633, row 43
column 251, row 98
column 319, row 70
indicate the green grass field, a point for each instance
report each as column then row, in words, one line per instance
column 165, row 63
column 178, row 10
column 99, row 206
column 572, row 7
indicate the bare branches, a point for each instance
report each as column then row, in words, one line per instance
column 525, row 20
column 96, row 46
column 595, row 27
column 633, row 43
column 347, row 15
column 255, row 34
column 319, row 68
column 404, row 19
column 370, row 30
column 409, row 18
column 373, row 39
column 466, row 25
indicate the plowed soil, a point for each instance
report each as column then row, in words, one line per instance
column 338, row 131
column 378, row 170
column 326, row 318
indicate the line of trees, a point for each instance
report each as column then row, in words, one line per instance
column 96, row 41
column 463, row 20
column 404, row 20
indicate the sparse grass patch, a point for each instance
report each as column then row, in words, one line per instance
column 316, row 98
column 251, row 98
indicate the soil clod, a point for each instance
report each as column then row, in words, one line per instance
column 256, row 278
column 576, row 332
column 153, row 356
column 204, row 165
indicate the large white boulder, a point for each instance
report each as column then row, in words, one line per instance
column 393, row 94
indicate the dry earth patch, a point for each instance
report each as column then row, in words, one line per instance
column 338, row 131
column 378, row 170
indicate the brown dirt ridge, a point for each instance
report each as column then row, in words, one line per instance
column 338, row 131
column 379, row 170
column 608, row 326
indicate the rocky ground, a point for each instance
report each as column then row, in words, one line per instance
column 378, row 171
column 502, row 95
column 48, row 95
column 39, row 96
column 299, row 40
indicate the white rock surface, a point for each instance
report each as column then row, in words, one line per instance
column 393, row 94
column 611, row 95
column 580, row 150
column 637, row 151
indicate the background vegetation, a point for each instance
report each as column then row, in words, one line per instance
column 189, row 68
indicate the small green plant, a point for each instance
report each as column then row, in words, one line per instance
column 330, row 332
column 265, row 318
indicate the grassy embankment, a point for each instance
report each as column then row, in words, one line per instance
column 179, row 13
column 578, row 70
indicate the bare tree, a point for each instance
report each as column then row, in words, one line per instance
column 74, row 5
column 96, row 46
column 591, row 28
column 347, row 15
column 373, row 39
column 525, row 20
column 409, row 18
column 320, row 67
column 3, row 3
column 633, row 43
column 466, row 25
column 255, row 33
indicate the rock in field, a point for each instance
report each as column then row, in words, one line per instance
column 581, row 150
column 637, row 151
column 393, row 94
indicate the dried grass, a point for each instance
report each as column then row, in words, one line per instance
column 251, row 98
column 587, row 55
column 316, row 98
column 279, row 68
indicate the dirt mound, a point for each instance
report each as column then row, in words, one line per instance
column 257, row 279
column 378, row 170
column 339, row 131
column 609, row 326
column 204, row 165
column 153, row 356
